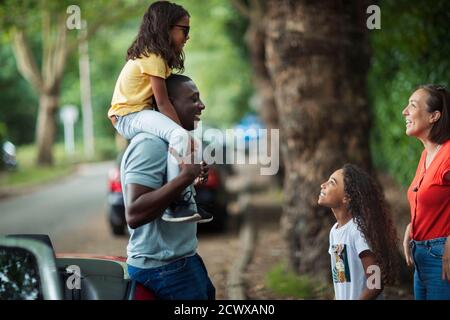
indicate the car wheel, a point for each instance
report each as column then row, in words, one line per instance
column 117, row 220
column 117, row 230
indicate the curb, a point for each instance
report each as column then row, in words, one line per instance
column 247, row 238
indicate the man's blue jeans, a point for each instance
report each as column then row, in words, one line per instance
column 428, row 283
column 183, row 279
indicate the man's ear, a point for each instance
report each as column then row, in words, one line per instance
column 435, row 116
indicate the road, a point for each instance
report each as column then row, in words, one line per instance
column 62, row 209
column 73, row 212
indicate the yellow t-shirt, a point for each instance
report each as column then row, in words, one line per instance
column 133, row 89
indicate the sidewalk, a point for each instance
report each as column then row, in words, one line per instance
column 261, row 244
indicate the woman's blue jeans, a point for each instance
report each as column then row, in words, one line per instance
column 183, row 279
column 428, row 283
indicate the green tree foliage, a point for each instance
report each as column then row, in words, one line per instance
column 411, row 48
column 216, row 59
column 107, row 56
column 20, row 20
column 18, row 102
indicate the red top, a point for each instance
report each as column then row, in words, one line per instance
column 429, row 197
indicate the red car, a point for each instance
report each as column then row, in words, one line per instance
column 30, row 270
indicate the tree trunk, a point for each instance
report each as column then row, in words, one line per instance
column 317, row 55
column 46, row 83
column 85, row 90
column 255, row 38
column 46, row 127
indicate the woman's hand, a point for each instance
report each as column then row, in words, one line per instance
column 406, row 247
column 446, row 261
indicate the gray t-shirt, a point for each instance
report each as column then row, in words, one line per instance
column 158, row 242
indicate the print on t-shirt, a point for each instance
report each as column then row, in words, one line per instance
column 341, row 271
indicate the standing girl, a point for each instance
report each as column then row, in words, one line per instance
column 363, row 241
column 141, row 88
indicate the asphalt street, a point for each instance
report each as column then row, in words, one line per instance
column 61, row 208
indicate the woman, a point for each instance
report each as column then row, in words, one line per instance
column 427, row 238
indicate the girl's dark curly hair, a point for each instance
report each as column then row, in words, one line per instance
column 154, row 34
column 371, row 213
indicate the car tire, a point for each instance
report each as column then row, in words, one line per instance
column 117, row 230
column 116, row 220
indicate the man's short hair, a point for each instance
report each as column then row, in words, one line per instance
column 173, row 82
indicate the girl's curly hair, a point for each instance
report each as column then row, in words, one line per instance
column 154, row 34
column 372, row 215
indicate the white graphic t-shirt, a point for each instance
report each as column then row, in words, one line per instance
column 346, row 243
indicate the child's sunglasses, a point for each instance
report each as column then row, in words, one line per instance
column 185, row 29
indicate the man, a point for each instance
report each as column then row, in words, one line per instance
column 163, row 255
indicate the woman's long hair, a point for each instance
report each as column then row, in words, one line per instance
column 372, row 215
column 154, row 34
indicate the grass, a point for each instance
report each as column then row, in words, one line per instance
column 28, row 174
column 288, row 284
column 31, row 176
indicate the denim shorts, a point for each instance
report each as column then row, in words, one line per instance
column 183, row 279
column 428, row 282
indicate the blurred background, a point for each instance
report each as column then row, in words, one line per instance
column 333, row 81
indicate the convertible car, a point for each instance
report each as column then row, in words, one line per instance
column 30, row 270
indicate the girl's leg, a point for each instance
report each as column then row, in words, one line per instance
column 158, row 124
column 177, row 137
column 125, row 127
